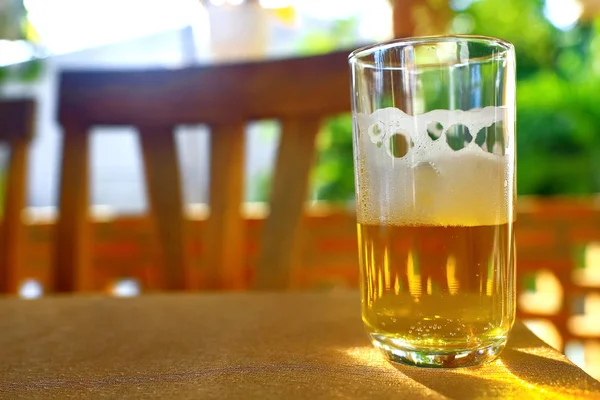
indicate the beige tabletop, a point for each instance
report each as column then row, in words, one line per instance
column 243, row 346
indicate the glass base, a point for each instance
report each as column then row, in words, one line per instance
column 434, row 358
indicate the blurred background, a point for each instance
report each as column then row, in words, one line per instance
column 558, row 142
column 557, row 42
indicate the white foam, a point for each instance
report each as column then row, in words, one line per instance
column 432, row 184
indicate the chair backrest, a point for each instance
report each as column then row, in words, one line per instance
column 16, row 128
column 298, row 92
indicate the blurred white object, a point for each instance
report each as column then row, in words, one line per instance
column 238, row 32
column 31, row 289
column 126, row 288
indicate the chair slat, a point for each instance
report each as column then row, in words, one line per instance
column 16, row 120
column 213, row 94
column 297, row 91
column 72, row 259
column 164, row 190
column 13, row 232
column 224, row 237
column 16, row 129
column 281, row 233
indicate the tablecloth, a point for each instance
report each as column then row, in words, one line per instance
column 243, row 346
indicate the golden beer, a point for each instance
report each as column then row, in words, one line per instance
column 437, row 258
column 434, row 166
column 444, row 288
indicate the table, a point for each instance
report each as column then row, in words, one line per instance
column 243, row 346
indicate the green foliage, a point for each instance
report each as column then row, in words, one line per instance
column 558, row 92
column 13, row 20
column 558, row 141
column 340, row 35
column 335, row 170
column 259, row 185
column 25, row 72
column 15, row 25
column 558, row 82
column 522, row 23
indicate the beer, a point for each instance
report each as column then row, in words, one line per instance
column 444, row 288
column 436, row 253
column 434, row 166
column 437, row 262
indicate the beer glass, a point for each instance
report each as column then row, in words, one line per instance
column 434, row 154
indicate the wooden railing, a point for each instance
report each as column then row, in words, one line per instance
column 558, row 257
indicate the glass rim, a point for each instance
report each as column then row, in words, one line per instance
column 357, row 56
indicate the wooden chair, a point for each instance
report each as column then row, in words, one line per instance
column 16, row 129
column 298, row 92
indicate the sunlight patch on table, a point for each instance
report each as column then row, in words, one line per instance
column 366, row 355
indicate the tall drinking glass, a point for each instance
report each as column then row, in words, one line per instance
column 434, row 153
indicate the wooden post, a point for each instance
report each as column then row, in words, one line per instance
column 420, row 17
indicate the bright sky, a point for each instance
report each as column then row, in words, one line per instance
column 14, row 51
column 70, row 25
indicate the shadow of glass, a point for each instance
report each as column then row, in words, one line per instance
column 459, row 385
column 546, row 371
column 516, row 374
column 527, row 368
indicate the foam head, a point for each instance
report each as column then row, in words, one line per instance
column 444, row 167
